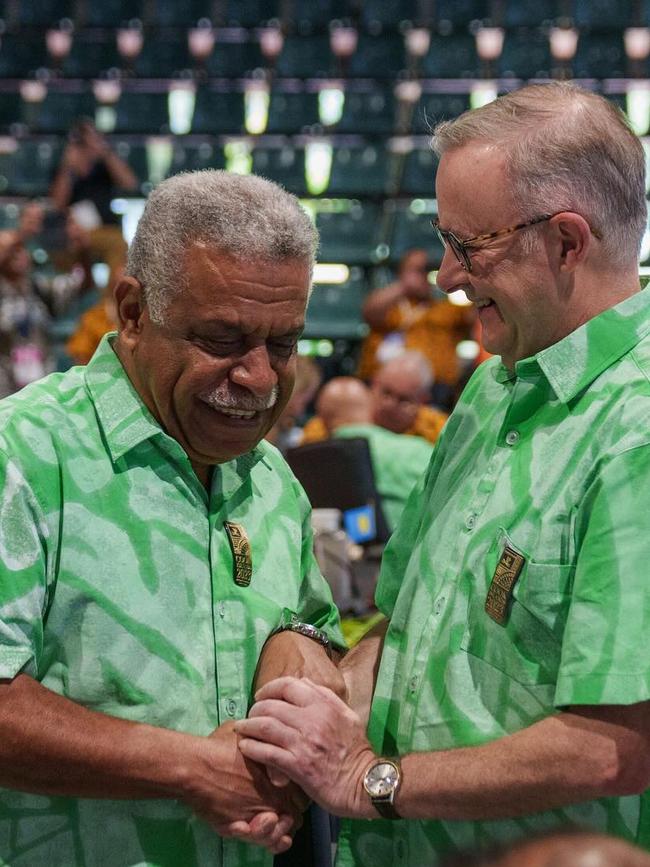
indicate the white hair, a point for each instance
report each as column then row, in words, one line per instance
column 412, row 360
column 243, row 216
column 566, row 149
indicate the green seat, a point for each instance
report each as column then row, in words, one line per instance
column 526, row 54
column 292, row 112
column 44, row 13
column 434, row 107
column 285, row 165
column 334, row 311
column 306, row 57
column 22, row 53
column 351, row 236
column 181, row 13
column 451, row 56
column 218, row 112
column 600, row 55
column 10, row 110
column 142, row 112
column 419, row 173
column 461, row 13
column 411, row 229
column 250, row 13
column 29, row 170
column 189, row 157
column 164, row 54
column 59, row 110
column 93, row 52
column 359, row 171
column 110, row 13
column 378, row 57
column 234, row 59
column 368, row 111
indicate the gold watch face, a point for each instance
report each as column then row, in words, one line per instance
column 381, row 779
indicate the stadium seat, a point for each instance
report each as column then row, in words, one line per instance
column 250, row 13
column 181, row 13
column 461, row 13
column 381, row 56
column 285, row 165
column 308, row 16
column 529, row 13
column 600, row 55
column 218, row 112
column 602, row 14
column 30, row 168
column 349, row 236
column 370, row 111
column 22, row 53
column 110, row 13
column 142, row 112
column 10, row 109
column 92, row 54
column 306, row 57
column 234, row 59
column 419, row 173
column 44, row 13
column 452, row 56
column 189, row 157
column 58, row 111
column 412, row 229
column 388, row 14
column 359, row 171
column 335, row 311
column 526, row 54
column 164, row 55
column 292, row 112
column 434, row 107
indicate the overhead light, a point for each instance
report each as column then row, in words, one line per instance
column 59, row 43
column 331, row 273
column 129, row 42
column 343, row 41
column 33, row 91
column 271, row 42
column 489, row 42
column 418, row 40
column 107, row 90
column 637, row 42
column 564, row 42
column 180, row 102
column 256, row 106
column 408, row 91
column 200, row 41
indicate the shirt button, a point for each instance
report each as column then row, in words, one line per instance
column 222, row 610
column 231, row 707
column 470, row 521
column 400, row 849
column 413, row 684
column 437, row 608
column 512, row 437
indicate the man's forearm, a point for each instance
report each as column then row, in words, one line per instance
column 50, row 745
column 567, row 758
column 359, row 669
column 291, row 654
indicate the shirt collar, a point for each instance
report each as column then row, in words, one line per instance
column 126, row 422
column 573, row 363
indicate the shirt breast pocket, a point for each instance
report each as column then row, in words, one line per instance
column 527, row 647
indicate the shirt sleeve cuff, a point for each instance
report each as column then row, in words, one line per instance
column 13, row 660
column 596, row 689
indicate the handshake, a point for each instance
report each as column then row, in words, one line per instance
column 301, row 742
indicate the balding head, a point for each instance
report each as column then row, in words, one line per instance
column 399, row 388
column 569, row 848
column 344, row 400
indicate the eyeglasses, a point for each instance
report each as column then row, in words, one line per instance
column 461, row 249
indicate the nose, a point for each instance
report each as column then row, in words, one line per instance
column 254, row 372
column 451, row 273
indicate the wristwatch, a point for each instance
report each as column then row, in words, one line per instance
column 381, row 782
column 289, row 621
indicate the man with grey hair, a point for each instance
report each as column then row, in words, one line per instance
column 509, row 691
column 156, row 557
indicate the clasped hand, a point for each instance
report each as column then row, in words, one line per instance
column 306, row 732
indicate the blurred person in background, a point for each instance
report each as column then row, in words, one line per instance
column 400, row 390
column 346, row 405
column 405, row 315
column 24, row 318
column 287, row 430
column 89, row 176
column 509, row 692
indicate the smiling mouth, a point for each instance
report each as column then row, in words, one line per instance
column 231, row 412
column 481, row 303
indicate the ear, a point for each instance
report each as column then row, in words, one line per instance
column 130, row 303
column 573, row 239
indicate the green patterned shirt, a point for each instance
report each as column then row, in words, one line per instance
column 553, row 461
column 117, row 591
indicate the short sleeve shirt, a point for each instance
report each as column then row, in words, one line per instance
column 117, row 591
column 551, row 461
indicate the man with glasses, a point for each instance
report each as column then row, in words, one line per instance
column 510, row 688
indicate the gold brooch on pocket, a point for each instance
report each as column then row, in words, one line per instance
column 241, row 552
column 503, row 581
